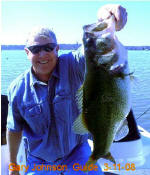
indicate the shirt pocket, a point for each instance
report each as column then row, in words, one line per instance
column 62, row 107
column 34, row 111
column 36, row 118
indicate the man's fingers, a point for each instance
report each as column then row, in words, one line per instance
column 118, row 11
column 14, row 173
column 103, row 14
column 121, row 17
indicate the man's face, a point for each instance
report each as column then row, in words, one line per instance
column 43, row 62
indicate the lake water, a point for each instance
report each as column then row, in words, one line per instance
column 14, row 62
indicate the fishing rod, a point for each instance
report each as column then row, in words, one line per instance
column 143, row 113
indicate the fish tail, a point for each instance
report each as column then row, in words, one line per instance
column 108, row 156
column 88, row 163
column 91, row 161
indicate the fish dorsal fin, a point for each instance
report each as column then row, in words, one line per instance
column 79, row 126
column 79, row 98
column 122, row 131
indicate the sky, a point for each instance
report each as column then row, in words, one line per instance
column 67, row 18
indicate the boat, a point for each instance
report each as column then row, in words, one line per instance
column 132, row 153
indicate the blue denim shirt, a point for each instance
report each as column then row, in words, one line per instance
column 45, row 112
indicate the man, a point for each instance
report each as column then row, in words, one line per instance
column 42, row 105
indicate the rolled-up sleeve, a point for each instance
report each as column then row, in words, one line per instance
column 14, row 119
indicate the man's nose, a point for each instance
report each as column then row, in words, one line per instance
column 42, row 53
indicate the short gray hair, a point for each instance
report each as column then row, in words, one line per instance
column 40, row 32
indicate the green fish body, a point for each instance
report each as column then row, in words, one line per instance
column 104, row 97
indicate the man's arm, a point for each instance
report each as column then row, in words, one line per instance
column 13, row 142
column 14, row 126
column 120, row 14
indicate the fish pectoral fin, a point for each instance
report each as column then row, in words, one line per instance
column 108, row 156
column 122, row 131
column 79, row 126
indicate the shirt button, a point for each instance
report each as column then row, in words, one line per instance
column 47, row 125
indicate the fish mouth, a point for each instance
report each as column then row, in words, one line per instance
column 99, row 40
column 95, row 27
column 94, row 30
column 101, row 27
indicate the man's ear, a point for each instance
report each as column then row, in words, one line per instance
column 26, row 50
column 57, row 48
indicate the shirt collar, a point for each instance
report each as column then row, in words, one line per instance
column 34, row 80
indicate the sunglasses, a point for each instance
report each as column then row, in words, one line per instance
column 47, row 47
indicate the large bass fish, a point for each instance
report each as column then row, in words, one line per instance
column 104, row 97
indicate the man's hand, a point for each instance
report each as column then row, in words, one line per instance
column 14, row 172
column 118, row 11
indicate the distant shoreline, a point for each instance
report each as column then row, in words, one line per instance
column 69, row 47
